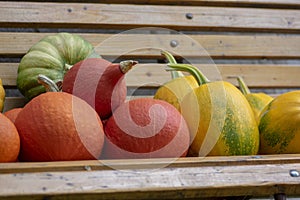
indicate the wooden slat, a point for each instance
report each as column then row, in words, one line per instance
column 32, row 14
column 264, row 76
column 153, row 75
column 155, row 163
column 292, row 4
column 13, row 102
column 159, row 183
column 284, row 46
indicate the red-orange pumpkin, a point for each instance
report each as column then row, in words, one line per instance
column 59, row 126
column 146, row 128
column 9, row 140
column 98, row 82
column 12, row 114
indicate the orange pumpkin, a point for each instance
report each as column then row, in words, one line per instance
column 146, row 128
column 98, row 82
column 59, row 126
column 12, row 114
column 9, row 140
column 2, row 96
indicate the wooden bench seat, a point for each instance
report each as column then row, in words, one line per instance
column 256, row 39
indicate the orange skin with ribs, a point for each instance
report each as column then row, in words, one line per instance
column 57, row 126
column 9, row 140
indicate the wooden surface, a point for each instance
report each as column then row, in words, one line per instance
column 154, row 75
column 256, row 39
column 73, row 15
column 284, row 46
column 152, row 179
column 292, row 4
column 155, row 163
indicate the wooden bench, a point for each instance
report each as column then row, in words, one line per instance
column 256, row 39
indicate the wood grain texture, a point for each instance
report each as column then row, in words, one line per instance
column 13, row 102
column 159, row 183
column 283, row 46
column 291, row 4
column 125, row 16
column 155, row 163
column 154, row 75
column 262, row 29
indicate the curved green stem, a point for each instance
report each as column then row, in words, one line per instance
column 172, row 60
column 198, row 75
column 242, row 85
column 49, row 85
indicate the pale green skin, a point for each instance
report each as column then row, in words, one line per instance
column 52, row 56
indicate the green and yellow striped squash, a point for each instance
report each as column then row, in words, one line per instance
column 258, row 101
column 280, row 125
column 2, row 96
column 174, row 90
column 219, row 117
column 52, row 56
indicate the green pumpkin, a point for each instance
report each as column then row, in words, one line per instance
column 51, row 56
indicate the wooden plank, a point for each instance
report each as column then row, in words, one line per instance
column 292, row 4
column 283, row 46
column 155, row 163
column 161, row 183
column 154, row 75
column 13, row 102
column 264, row 76
column 74, row 15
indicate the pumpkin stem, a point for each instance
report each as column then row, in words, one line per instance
column 126, row 65
column 67, row 67
column 242, row 85
column 172, row 60
column 49, row 85
column 198, row 75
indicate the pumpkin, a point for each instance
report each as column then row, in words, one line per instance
column 12, row 114
column 2, row 96
column 146, row 128
column 52, row 56
column 56, row 126
column 219, row 117
column 280, row 125
column 258, row 101
column 9, row 140
column 98, row 82
column 174, row 90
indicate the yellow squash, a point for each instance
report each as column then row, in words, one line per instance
column 219, row 117
column 280, row 125
column 2, row 96
column 174, row 90
column 258, row 101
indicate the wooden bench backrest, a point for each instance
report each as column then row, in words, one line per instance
column 256, row 39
